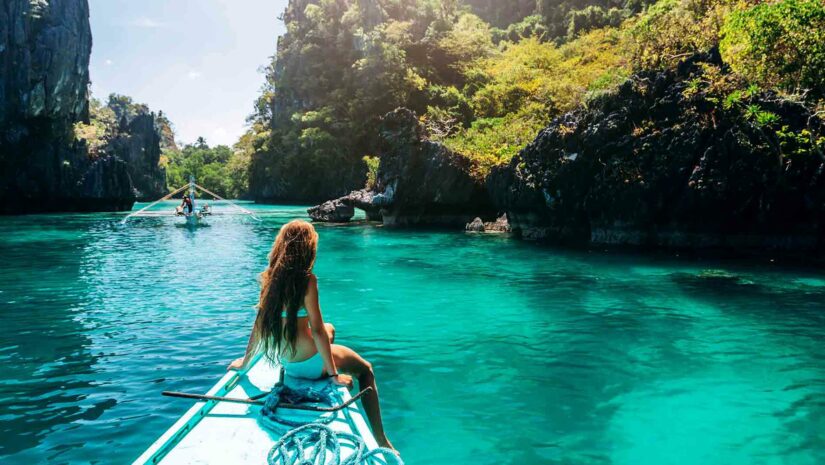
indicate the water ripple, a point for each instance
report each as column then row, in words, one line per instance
column 487, row 350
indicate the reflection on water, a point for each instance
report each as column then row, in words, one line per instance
column 42, row 338
column 487, row 350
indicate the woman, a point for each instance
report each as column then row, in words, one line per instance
column 290, row 328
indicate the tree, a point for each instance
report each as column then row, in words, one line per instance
column 779, row 44
column 218, row 168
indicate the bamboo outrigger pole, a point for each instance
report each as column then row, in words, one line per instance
column 191, row 185
column 166, row 197
column 229, row 201
column 255, row 401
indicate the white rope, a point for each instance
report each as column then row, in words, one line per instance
column 229, row 201
column 154, row 203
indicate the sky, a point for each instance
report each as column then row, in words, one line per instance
column 199, row 61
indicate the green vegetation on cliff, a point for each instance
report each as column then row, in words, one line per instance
column 146, row 141
column 132, row 133
column 484, row 77
column 522, row 85
column 107, row 121
column 779, row 45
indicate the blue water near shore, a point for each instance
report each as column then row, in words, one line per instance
column 487, row 350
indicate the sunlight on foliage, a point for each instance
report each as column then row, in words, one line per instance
column 372, row 164
column 779, row 44
column 485, row 77
column 671, row 30
column 521, row 88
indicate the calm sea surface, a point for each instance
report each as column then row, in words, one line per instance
column 487, row 350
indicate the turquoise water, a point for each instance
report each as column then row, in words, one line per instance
column 487, row 350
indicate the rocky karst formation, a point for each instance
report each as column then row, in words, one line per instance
column 137, row 141
column 332, row 211
column 419, row 182
column 500, row 225
column 343, row 209
column 665, row 161
column 44, row 77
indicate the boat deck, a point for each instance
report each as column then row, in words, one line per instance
column 230, row 433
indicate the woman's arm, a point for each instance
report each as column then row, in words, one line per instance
column 241, row 363
column 316, row 323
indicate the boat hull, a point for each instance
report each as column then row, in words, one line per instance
column 230, row 433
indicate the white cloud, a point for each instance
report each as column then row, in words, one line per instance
column 221, row 136
column 147, row 23
column 109, row 62
column 193, row 74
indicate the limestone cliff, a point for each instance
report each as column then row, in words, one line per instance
column 44, row 77
column 137, row 141
column 668, row 160
column 419, row 182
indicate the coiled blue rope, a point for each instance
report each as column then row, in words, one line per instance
column 305, row 395
column 326, row 443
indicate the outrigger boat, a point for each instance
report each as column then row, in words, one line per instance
column 225, row 427
column 195, row 216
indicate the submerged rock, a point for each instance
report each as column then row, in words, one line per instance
column 715, row 281
column 332, row 211
column 658, row 163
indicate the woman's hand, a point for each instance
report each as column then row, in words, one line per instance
column 236, row 364
column 343, row 380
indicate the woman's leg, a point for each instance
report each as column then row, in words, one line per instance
column 330, row 332
column 348, row 361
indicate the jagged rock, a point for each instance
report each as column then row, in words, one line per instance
column 368, row 201
column 138, row 144
column 44, row 54
column 332, row 211
column 477, row 225
column 363, row 199
column 105, row 185
column 500, row 225
column 44, row 78
column 654, row 165
column 421, row 182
